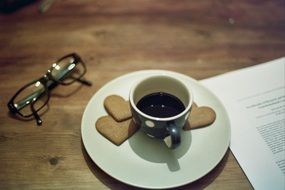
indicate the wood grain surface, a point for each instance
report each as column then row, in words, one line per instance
column 197, row 38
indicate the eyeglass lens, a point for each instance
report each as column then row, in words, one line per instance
column 34, row 93
column 67, row 70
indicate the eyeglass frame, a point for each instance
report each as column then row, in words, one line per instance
column 44, row 81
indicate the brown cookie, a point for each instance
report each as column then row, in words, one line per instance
column 194, row 106
column 117, row 107
column 116, row 132
column 200, row 117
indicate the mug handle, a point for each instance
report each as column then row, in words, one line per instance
column 175, row 136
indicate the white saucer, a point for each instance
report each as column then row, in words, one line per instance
column 145, row 162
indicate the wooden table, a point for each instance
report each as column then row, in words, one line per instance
column 197, row 38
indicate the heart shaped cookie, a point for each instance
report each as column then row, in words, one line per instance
column 116, row 132
column 200, row 117
column 117, row 107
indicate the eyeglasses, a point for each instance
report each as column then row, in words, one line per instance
column 32, row 97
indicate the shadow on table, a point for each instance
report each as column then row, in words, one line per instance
column 112, row 183
column 10, row 6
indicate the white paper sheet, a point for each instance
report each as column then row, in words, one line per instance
column 254, row 98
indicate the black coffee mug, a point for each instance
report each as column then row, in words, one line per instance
column 161, row 105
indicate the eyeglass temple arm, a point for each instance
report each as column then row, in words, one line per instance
column 83, row 81
column 36, row 115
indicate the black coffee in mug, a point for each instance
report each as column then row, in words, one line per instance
column 160, row 104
